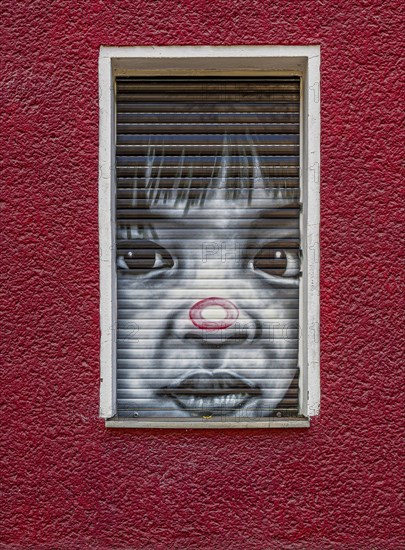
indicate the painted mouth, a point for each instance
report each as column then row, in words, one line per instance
column 205, row 393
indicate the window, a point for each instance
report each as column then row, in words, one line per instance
column 209, row 221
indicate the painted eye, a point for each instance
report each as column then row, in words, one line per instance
column 141, row 257
column 279, row 259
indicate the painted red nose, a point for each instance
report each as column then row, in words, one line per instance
column 200, row 309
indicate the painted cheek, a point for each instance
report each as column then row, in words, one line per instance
column 231, row 313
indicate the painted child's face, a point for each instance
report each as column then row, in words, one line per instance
column 208, row 310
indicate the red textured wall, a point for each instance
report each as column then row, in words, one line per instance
column 69, row 482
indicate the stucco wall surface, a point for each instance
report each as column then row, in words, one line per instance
column 69, row 482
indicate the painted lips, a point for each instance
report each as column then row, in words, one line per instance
column 207, row 393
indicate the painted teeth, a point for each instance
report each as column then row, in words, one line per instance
column 214, row 404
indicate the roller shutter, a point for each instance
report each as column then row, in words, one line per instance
column 207, row 246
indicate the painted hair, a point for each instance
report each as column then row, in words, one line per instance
column 237, row 177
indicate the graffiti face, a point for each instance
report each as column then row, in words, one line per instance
column 208, row 306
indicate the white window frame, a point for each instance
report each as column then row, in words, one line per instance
column 303, row 61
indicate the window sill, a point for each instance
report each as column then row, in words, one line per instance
column 297, row 422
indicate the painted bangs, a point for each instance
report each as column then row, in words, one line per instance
column 236, row 175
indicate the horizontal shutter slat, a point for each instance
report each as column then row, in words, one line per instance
column 208, row 128
column 161, row 144
column 219, row 97
column 278, row 171
column 207, row 85
column 209, row 118
column 192, row 161
column 129, row 106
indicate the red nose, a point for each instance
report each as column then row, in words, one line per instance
column 197, row 312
